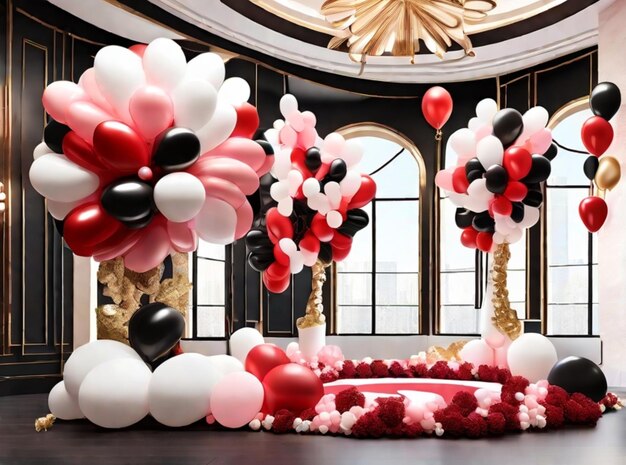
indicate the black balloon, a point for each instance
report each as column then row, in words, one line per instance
column 577, row 374
column 463, row 217
column 591, row 166
column 496, row 179
column 507, row 125
column 176, row 149
column 605, row 100
column 552, row 152
column 141, row 222
column 154, row 330
column 260, row 261
column 267, row 147
column 474, row 175
column 58, row 224
column 326, row 253
column 128, row 199
column 53, row 135
column 337, row 171
column 534, row 198
column 483, row 222
column 473, row 165
column 517, row 214
column 257, row 240
column 356, row 219
column 539, row 171
column 313, row 159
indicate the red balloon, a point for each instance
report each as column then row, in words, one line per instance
column 517, row 162
column 280, row 256
column 298, row 157
column 87, row 226
column 597, row 135
column 484, row 241
column 278, row 226
column 341, row 245
column 263, row 358
column 277, row 278
column 292, row 387
column 310, row 242
column 459, row 180
column 119, row 147
column 593, row 211
column 247, row 121
column 320, row 228
column 80, row 152
column 515, row 191
column 437, row 106
column 365, row 194
column 468, row 237
column 502, row 205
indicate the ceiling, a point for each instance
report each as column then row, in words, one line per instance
column 515, row 35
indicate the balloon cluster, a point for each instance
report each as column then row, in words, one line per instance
column 147, row 152
column 603, row 170
column 503, row 157
column 311, row 202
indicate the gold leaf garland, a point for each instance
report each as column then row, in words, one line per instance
column 505, row 318
column 314, row 315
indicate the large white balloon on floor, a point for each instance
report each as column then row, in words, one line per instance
column 180, row 389
column 226, row 364
column 90, row 355
column 62, row 405
column 243, row 340
column 477, row 352
column 532, row 356
column 115, row 393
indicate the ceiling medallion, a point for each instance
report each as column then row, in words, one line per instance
column 395, row 27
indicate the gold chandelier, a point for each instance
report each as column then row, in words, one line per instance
column 395, row 27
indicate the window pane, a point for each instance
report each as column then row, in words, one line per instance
column 208, row 250
column 570, row 319
column 397, row 320
column 567, row 168
column 354, row 289
column 210, row 283
column 210, row 321
column 360, row 258
column 400, row 178
column 397, row 289
column 354, row 320
column 397, row 236
column 458, row 288
column 459, row 319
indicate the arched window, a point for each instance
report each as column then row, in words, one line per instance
column 463, row 272
column 209, row 307
column 571, row 260
column 378, row 285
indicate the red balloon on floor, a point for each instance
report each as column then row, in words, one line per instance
column 263, row 358
column 292, row 387
column 593, row 211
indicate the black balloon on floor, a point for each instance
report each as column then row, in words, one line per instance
column 605, row 100
column 154, row 330
column 578, row 374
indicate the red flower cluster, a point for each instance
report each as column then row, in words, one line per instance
column 385, row 420
column 513, row 386
column 283, row 422
column 349, row 398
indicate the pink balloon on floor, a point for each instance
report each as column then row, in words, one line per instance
column 152, row 111
column 236, row 399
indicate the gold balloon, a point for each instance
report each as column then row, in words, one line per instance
column 608, row 173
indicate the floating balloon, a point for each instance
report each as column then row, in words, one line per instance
column 597, row 135
column 608, row 173
column 53, row 135
column 437, row 106
column 127, row 199
column 593, row 211
column 578, row 374
column 590, row 167
column 497, row 179
column 605, row 100
column 540, row 170
column 507, row 125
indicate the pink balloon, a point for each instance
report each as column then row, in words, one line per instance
column 238, row 148
column 231, row 170
column 223, row 190
column 88, row 82
column 540, row 141
column 245, row 216
column 288, row 136
column 59, row 95
column 443, row 180
column 236, row 399
column 152, row 111
column 119, row 249
column 150, row 251
column 83, row 117
column 307, row 137
column 183, row 239
column 267, row 165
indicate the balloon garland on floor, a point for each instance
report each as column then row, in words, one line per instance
column 147, row 153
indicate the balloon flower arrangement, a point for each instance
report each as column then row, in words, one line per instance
column 147, row 153
column 312, row 208
column 503, row 157
column 603, row 170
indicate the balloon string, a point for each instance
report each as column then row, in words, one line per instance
column 387, row 162
column 438, row 135
column 568, row 148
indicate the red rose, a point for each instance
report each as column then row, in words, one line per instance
column 349, row 398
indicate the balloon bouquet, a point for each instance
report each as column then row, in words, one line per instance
column 311, row 210
column 603, row 170
column 503, row 157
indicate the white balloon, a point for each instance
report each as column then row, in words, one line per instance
column 194, row 103
column 41, row 150
column 532, row 356
column 62, row 405
column 486, row 110
column 333, row 193
column 243, row 340
column 234, row 91
column 352, row 152
column 164, row 63
column 463, row 142
column 119, row 73
column 294, row 179
column 514, row 236
column 498, row 237
column 477, row 352
column 59, row 210
column 219, row 127
column 474, row 124
column 180, row 389
column 535, row 119
column 179, row 196
column 207, row 66
column 478, row 189
column 288, row 105
column 57, row 178
column 334, row 219
column 216, row 221
column 279, row 190
column 90, row 355
column 226, row 364
column 531, row 216
column 310, row 187
column 285, row 206
column 350, row 184
column 334, row 143
column 288, row 246
column 296, row 263
column 489, row 151
column 115, row 393
column 282, row 163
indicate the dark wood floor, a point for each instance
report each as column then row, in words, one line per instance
column 79, row 442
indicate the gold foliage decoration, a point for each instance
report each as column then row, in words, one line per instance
column 505, row 318
column 314, row 308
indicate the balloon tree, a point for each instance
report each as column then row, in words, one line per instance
column 311, row 207
column 503, row 156
column 603, row 170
